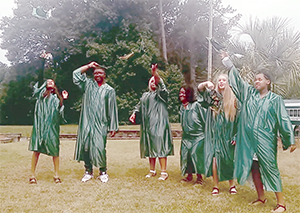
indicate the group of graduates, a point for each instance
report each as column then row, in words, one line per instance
column 229, row 130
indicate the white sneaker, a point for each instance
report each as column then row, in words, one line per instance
column 86, row 177
column 103, row 177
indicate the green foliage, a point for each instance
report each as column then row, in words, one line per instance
column 103, row 30
column 17, row 106
column 273, row 48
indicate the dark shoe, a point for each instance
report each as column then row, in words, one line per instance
column 188, row 178
column 199, row 179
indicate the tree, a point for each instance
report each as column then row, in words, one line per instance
column 271, row 47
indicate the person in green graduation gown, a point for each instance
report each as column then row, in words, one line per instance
column 220, row 131
column 192, row 119
column 263, row 116
column 156, row 137
column 99, row 115
column 44, row 139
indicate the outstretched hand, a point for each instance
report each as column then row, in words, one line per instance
column 65, row 94
column 224, row 54
column 132, row 118
column 93, row 64
column 154, row 69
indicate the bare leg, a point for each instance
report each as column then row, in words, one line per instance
column 258, row 184
column 56, row 166
column 163, row 164
column 231, row 183
column 215, row 174
column 34, row 161
column 280, row 198
column 152, row 162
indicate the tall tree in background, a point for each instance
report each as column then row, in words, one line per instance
column 271, row 46
column 103, row 30
column 163, row 35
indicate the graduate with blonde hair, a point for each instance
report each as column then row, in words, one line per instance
column 219, row 131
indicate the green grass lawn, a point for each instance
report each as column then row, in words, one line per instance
column 127, row 189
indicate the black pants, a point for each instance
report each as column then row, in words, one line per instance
column 88, row 164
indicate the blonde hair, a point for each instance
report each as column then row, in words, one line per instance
column 229, row 100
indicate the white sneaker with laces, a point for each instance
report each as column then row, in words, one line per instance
column 103, row 177
column 86, row 177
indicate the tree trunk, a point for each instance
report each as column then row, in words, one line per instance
column 163, row 36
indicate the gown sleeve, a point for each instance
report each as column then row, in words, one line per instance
column 284, row 125
column 79, row 78
column 113, row 111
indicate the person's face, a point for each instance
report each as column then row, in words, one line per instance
column 99, row 75
column 182, row 96
column 222, row 82
column 50, row 84
column 261, row 83
column 151, row 84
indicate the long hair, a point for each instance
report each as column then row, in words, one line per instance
column 229, row 100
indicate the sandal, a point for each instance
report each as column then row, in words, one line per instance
column 163, row 176
column 32, row 180
column 199, row 181
column 152, row 173
column 215, row 191
column 232, row 190
column 188, row 178
column 57, row 180
column 258, row 201
column 279, row 208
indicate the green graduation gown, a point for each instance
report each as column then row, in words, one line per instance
column 45, row 130
column 99, row 114
column 260, row 121
column 219, row 133
column 192, row 119
column 156, row 136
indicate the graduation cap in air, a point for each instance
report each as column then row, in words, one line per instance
column 216, row 45
column 41, row 13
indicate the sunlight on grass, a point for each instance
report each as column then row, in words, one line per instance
column 127, row 189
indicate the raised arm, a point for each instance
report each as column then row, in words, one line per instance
column 37, row 90
column 207, row 84
column 79, row 75
column 237, row 84
column 155, row 73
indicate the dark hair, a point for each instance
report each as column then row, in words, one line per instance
column 267, row 76
column 189, row 92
